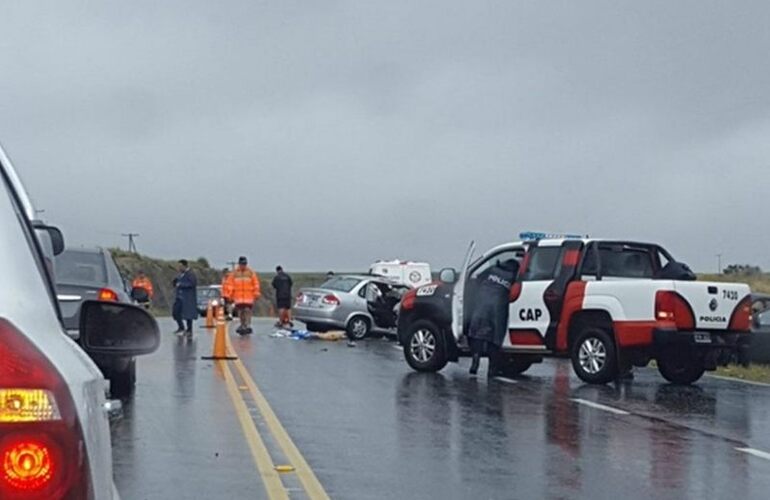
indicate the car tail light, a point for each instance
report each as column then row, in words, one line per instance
column 741, row 317
column 331, row 300
column 42, row 454
column 670, row 307
column 107, row 295
column 407, row 301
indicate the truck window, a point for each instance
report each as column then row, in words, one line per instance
column 620, row 261
column 516, row 253
column 542, row 264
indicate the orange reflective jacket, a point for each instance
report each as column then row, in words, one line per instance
column 143, row 283
column 242, row 287
column 226, row 290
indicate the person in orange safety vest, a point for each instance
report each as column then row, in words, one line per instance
column 141, row 289
column 242, row 287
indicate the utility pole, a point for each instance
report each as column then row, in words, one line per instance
column 231, row 263
column 131, row 244
column 719, row 263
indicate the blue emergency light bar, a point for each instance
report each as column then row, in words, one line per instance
column 534, row 235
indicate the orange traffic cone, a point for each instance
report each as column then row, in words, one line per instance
column 209, row 316
column 220, row 338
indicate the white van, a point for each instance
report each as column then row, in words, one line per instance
column 403, row 272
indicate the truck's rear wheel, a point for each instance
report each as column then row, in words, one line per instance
column 594, row 357
column 680, row 367
column 424, row 347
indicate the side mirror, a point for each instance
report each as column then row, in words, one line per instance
column 55, row 236
column 115, row 329
column 448, row 275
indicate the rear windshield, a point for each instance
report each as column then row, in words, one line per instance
column 75, row 267
column 341, row 284
column 208, row 293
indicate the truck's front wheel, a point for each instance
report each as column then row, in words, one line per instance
column 594, row 357
column 680, row 367
column 424, row 347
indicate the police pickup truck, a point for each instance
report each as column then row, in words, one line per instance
column 606, row 304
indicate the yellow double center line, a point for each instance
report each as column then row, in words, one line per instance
column 270, row 477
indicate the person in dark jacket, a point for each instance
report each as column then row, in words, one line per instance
column 489, row 321
column 185, row 303
column 282, row 284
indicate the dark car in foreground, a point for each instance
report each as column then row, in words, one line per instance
column 84, row 274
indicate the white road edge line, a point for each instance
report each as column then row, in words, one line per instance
column 756, row 453
column 598, row 406
column 397, row 347
column 506, row 380
column 733, row 379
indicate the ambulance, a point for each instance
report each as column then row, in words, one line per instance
column 402, row 272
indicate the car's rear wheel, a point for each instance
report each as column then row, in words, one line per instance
column 358, row 327
column 680, row 366
column 424, row 347
column 123, row 383
column 594, row 357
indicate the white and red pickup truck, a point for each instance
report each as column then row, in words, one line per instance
column 606, row 304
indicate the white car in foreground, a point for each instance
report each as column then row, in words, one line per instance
column 54, row 431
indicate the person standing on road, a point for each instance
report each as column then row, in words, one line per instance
column 141, row 289
column 282, row 284
column 489, row 322
column 226, row 293
column 243, row 288
column 185, row 302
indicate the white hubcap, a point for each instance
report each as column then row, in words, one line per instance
column 592, row 355
column 423, row 345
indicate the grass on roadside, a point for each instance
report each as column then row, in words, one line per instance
column 754, row 373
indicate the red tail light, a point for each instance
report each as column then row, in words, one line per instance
column 107, row 295
column 331, row 300
column 741, row 319
column 670, row 307
column 42, row 454
column 407, row 301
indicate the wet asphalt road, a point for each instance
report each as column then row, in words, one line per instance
column 370, row 428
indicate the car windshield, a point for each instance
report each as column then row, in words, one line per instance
column 341, row 284
column 77, row 267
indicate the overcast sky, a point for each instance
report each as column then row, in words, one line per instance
column 327, row 134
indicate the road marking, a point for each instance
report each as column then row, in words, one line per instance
column 313, row 487
column 270, row 477
column 398, row 347
column 756, row 453
column 733, row 379
column 506, row 380
column 598, row 406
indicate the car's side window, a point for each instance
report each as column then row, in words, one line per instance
column 543, row 262
column 362, row 290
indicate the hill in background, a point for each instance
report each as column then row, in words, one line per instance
column 162, row 272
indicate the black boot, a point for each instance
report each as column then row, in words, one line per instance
column 475, row 363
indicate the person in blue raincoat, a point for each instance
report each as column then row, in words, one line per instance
column 489, row 322
column 185, row 304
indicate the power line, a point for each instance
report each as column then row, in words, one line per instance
column 131, row 244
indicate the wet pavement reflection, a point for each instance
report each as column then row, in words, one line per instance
column 372, row 428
